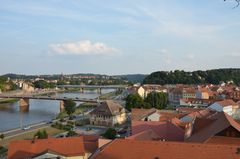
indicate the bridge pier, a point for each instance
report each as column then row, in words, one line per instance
column 62, row 108
column 99, row 90
column 82, row 90
column 24, row 104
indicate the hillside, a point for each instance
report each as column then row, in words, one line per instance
column 196, row 77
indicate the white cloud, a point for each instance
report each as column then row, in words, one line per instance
column 84, row 47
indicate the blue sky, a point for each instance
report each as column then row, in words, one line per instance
column 117, row 37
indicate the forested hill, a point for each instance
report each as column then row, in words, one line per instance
column 196, row 77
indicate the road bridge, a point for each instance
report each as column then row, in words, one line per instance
column 24, row 100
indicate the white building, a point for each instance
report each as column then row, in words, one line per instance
column 228, row 106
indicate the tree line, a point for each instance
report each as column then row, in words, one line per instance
column 196, row 77
column 157, row 100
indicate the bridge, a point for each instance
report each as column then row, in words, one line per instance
column 24, row 100
column 97, row 87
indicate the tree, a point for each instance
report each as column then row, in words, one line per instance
column 134, row 101
column 69, row 106
column 71, row 133
column 110, row 133
column 2, row 136
column 157, row 100
column 237, row 1
column 41, row 134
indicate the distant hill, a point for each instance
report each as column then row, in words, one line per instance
column 196, row 77
column 135, row 78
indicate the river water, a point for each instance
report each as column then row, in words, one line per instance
column 39, row 110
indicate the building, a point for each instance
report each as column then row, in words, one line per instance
column 145, row 114
column 137, row 149
column 228, row 106
column 174, row 96
column 218, row 124
column 109, row 114
column 61, row 148
column 189, row 93
column 163, row 131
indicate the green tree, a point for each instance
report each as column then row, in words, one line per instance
column 2, row 136
column 41, row 134
column 157, row 100
column 110, row 133
column 71, row 133
column 134, row 101
column 70, row 106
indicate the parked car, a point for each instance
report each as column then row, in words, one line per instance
column 26, row 128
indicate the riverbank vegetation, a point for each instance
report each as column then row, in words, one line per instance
column 6, row 85
column 29, row 135
column 4, row 101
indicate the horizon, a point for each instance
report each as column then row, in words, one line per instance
column 49, row 37
column 111, row 74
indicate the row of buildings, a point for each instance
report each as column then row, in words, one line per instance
column 185, row 133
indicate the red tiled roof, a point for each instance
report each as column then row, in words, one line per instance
column 227, row 102
column 223, row 140
column 165, row 130
column 108, row 108
column 69, row 147
column 135, row 149
column 222, row 121
column 139, row 114
column 145, row 135
column 90, row 143
column 166, row 116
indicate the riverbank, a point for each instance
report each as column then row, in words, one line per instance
column 8, row 100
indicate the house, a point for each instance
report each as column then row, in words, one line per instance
column 197, row 102
column 138, row 149
column 145, row 114
column 108, row 113
column 174, row 96
column 141, row 91
column 166, row 130
column 228, row 106
column 154, row 114
column 219, row 124
column 189, row 93
column 63, row 148
column 153, row 88
column 27, row 87
column 202, row 93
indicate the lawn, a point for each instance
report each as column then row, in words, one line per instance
column 29, row 135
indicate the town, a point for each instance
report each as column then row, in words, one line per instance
column 165, row 121
column 129, row 79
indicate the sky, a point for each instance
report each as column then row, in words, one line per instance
column 117, row 37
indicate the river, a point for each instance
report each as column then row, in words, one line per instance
column 39, row 111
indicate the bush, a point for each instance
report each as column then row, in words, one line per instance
column 71, row 133
column 110, row 133
column 41, row 134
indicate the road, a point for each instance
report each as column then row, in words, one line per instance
column 16, row 132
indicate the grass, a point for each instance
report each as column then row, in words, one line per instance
column 107, row 96
column 29, row 135
column 4, row 101
column 83, row 107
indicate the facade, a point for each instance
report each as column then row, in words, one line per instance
column 141, row 91
column 202, row 94
column 174, row 96
column 189, row 93
column 109, row 114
